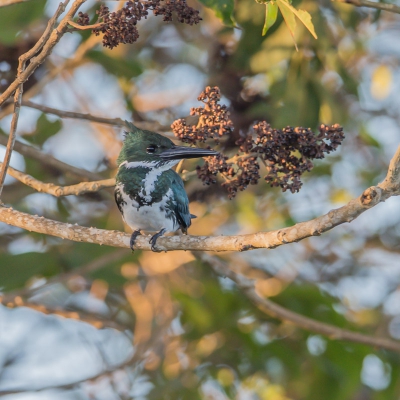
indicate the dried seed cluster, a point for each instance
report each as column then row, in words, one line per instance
column 83, row 18
column 212, row 165
column 214, row 121
column 286, row 153
column 120, row 26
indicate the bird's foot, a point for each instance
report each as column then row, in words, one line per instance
column 153, row 239
column 135, row 234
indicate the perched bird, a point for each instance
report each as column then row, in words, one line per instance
column 149, row 194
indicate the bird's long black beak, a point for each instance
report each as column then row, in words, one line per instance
column 181, row 152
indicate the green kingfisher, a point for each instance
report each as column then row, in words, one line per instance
column 149, row 194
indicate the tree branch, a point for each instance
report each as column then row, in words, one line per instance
column 59, row 191
column 46, row 48
column 11, row 138
column 48, row 159
column 261, row 240
column 248, row 286
column 85, row 27
column 19, row 89
column 98, row 321
column 372, row 4
column 75, row 115
column 54, row 71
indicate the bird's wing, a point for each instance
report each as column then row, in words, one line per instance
column 180, row 204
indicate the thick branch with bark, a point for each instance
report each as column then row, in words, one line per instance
column 261, row 240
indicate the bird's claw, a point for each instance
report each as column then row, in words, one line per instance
column 153, row 240
column 154, row 248
column 134, row 235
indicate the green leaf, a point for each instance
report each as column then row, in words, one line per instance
column 16, row 270
column 44, row 130
column 16, row 18
column 271, row 13
column 223, row 10
column 116, row 66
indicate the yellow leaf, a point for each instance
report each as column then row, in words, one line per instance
column 288, row 13
column 305, row 18
column 288, row 16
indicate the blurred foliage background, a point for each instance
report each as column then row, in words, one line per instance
column 80, row 321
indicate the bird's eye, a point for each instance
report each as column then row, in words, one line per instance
column 151, row 149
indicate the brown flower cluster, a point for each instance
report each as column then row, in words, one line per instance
column 83, row 18
column 214, row 121
column 120, row 26
column 286, row 153
column 212, row 166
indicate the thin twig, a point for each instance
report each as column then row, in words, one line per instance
column 23, row 59
column 179, row 167
column 80, row 52
column 11, row 138
column 248, row 286
column 186, row 175
column 75, row 115
column 155, row 126
column 47, row 159
column 46, row 49
column 97, row 321
column 372, row 4
column 85, row 27
column 59, row 191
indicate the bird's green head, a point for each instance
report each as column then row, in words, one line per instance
column 150, row 148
